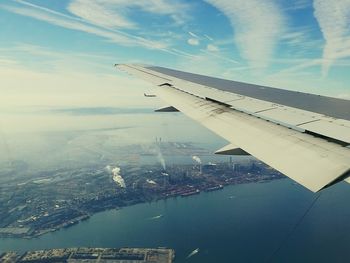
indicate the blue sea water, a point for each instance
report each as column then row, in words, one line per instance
column 257, row 222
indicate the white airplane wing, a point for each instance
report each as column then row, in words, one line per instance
column 304, row 136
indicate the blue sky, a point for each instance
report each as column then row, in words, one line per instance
column 61, row 52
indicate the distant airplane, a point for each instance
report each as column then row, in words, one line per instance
column 304, row 136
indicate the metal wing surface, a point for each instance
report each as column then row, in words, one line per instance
column 304, row 136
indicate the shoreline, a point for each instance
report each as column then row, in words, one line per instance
column 160, row 196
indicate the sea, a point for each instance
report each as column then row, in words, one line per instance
column 278, row 221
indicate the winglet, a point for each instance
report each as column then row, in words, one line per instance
column 167, row 109
column 231, row 149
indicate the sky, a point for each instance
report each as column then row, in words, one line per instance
column 58, row 55
column 61, row 52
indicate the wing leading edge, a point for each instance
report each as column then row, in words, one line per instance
column 307, row 146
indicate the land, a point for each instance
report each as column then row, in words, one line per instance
column 55, row 199
column 75, row 255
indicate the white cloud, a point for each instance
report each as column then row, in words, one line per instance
column 222, row 57
column 114, row 13
column 300, row 42
column 193, row 41
column 100, row 27
column 334, row 20
column 296, row 4
column 258, row 26
column 193, row 34
column 208, row 37
column 301, row 4
column 301, row 65
column 69, row 23
column 212, row 48
column 184, row 54
column 296, row 36
column 100, row 13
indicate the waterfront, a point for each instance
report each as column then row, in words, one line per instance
column 244, row 223
column 97, row 255
column 63, row 198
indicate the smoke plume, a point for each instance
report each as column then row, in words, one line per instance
column 196, row 159
column 117, row 178
column 160, row 157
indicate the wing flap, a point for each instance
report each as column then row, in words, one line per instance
column 287, row 116
column 252, row 106
column 329, row 128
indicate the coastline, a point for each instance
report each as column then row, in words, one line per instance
column 170, row 193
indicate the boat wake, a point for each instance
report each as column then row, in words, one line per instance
column 194, row 252
column 155, row 217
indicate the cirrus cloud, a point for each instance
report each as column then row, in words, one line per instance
column 258, row 26
column 114, row 13
column 334, row 21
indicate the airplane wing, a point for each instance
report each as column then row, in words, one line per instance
column 304, row 136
